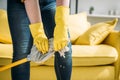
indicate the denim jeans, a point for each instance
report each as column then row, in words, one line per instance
column 23, row 41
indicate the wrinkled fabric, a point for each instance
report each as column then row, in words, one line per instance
column 39, row 57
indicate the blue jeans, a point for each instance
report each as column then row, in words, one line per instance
column 23, row 41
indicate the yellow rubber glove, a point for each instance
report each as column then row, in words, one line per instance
column 61, row 28
column 40, row 39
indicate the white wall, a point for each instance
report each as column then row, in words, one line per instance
column 3, row 4
column 100, row 6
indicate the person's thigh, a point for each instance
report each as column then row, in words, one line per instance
column 19, row 28
column 21, row 37
column 63, row 65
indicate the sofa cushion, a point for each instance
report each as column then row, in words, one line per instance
column 97, row 33
column 94, row 55
column 84, row 55
column 6, row 50
column 78, row 24
column 5, row 53
column 5, row 36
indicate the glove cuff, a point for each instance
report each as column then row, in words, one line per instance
column 62, row 15
column 61, row 10
column 36, row 29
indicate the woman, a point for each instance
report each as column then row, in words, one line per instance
column 43, row 19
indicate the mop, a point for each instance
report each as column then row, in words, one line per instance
column 36, row 56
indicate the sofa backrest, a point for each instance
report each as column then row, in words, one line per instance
column 78, row 24
column 5, row 36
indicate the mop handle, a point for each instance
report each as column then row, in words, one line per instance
column 13, row 64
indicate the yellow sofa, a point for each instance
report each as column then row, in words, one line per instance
column 91, row 60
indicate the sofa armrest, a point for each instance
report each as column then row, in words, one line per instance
column 113, row 39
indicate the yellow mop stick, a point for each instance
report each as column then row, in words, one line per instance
column 13, row 64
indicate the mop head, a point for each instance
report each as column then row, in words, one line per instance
column 38, row 57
